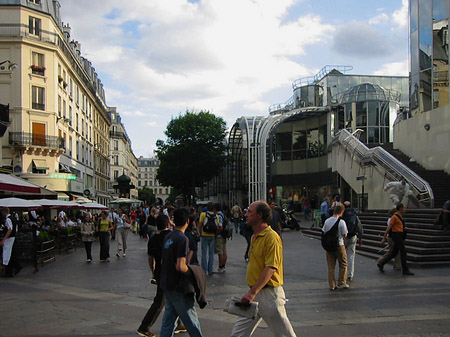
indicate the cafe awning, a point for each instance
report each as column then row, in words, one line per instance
column 15, row 184
column 40, row 164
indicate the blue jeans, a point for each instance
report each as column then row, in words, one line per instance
column 208, row 243
column 180, row 305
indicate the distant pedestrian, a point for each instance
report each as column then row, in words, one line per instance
column 193, row 236
column 208, row 228
column 151, row 223
column 275, row 221
column 264, row 277
column 306, row 208
column 397, row 230
column 220, row 247
column 340, row 254
column 87, row 230
column 112, row 216
column 324, row 207
column 104, row 229
column 122, row 227
column 236, row 216
column 397, row 260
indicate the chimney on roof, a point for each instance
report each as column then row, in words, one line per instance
column 66, row 31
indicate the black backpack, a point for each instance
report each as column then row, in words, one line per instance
column 227, row 229
column 210, row 223
column 330, row 239
column 351, row 221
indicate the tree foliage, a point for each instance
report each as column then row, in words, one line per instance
column 194, row 151
column 146, row 195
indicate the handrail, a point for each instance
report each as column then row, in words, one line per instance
column 286, row 106
column 393, row 168
column 321, row 74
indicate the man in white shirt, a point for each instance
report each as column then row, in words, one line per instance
column 9, row 232
column 340, row 254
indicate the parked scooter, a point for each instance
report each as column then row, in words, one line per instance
column 289, row 221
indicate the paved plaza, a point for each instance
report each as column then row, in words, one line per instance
column 72, row 298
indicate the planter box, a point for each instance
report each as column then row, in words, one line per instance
column 45, row 251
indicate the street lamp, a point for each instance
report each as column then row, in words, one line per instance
column 11, row 66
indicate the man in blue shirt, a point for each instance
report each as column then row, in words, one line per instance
column 324, row 207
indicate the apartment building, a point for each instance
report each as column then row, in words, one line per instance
column 123, row 160
column 148, row 168
column 59, row 132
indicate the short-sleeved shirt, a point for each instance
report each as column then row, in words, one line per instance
column 176, row 245
column 202, row 219
column 342, row 228
column 266, row 250
column 397, row 224
column 324, row 208
column 154, row 248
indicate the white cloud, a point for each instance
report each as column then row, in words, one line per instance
column 382, row 18
column 394, row 69
column 158, row 57
column 400, row 16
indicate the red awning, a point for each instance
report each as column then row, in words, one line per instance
column 14, row 184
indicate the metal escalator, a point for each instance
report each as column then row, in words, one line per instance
column 388, row 165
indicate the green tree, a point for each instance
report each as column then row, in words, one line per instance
column 193, row 153
column 146, row 195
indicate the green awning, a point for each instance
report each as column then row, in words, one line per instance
column 40, row 164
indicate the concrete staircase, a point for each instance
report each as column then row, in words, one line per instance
column 427, row 245
column 438, row 179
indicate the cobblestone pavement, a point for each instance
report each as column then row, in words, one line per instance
column 70, row 297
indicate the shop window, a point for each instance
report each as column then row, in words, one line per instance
column 299, row 145
column 284, row 146
column 313, row 143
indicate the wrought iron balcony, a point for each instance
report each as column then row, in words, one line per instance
column 26, row 139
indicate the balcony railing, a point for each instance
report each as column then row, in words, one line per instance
column 116, row 134
column 31, row 139
column 440, row 76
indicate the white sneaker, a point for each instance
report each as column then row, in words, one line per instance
column 221, row 270
column 343, row 286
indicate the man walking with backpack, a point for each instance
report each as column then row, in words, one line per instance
column 338, row 252
column 354, row 235
column 208, row 223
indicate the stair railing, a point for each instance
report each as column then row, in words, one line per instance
column 393, row 169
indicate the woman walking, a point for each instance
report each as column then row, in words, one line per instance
column 122, row 226
column 87, row 235
column 104, row 228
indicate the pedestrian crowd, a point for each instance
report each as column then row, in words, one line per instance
column 173, row 236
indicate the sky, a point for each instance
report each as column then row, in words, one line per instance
column 158, row 58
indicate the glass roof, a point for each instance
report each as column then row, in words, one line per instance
column 369, row 92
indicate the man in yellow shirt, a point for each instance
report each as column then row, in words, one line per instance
column 264, row 276
column 208, row 237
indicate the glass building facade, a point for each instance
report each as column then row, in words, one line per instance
column 429, row 57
